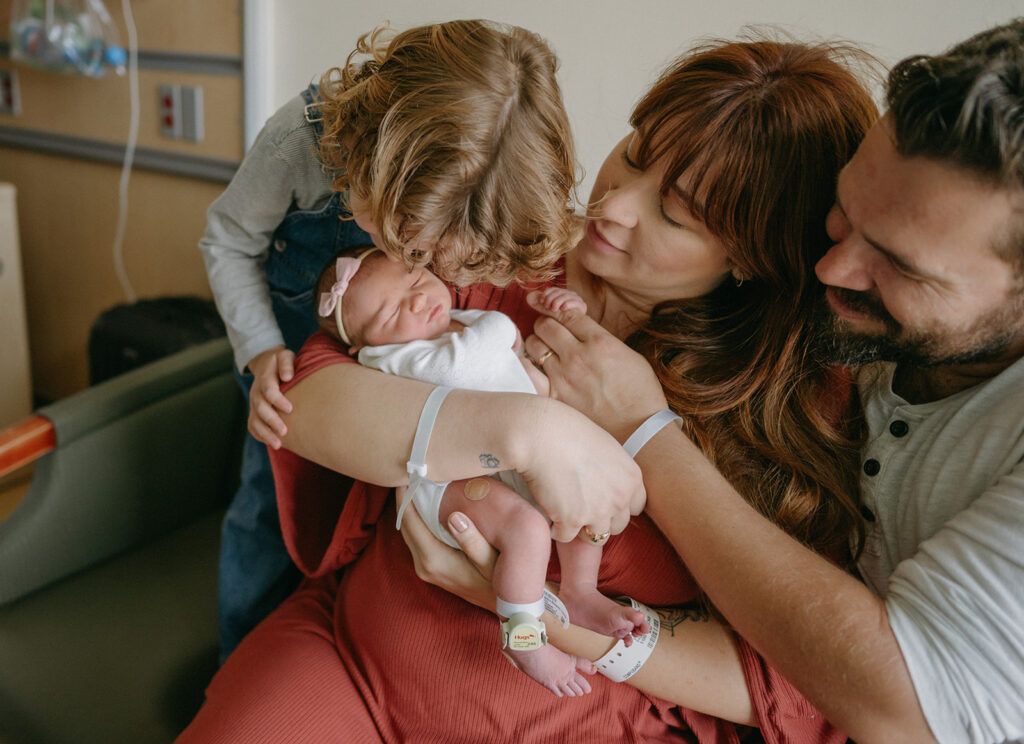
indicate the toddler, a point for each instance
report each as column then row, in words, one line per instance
column 451, row 135
column 401, row 321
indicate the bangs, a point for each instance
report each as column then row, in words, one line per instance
column 700, row 140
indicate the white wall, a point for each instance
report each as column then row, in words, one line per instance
column 611, row 50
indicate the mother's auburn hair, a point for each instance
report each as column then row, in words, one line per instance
column 761, row 128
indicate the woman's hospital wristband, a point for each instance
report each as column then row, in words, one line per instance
column 417, row 464
column 654, row 423
column 623, row 661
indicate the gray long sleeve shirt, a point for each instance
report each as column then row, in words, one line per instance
column 280, row 174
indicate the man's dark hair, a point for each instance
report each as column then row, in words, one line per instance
column 965, row 106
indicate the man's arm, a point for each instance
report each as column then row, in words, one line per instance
column 821, row 628
column 694, row 664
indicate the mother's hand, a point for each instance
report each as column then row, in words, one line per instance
column 466, row 574
column 593, row 371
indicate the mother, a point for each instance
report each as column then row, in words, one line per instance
column 704, row 226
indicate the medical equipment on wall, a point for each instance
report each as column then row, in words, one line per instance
column 74, row 36
column 79, row 36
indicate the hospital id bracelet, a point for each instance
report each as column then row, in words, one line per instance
column 417, row 464
column 524, row 630
column 643, row 434
column 622, row 661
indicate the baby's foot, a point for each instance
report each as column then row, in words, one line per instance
column 558, row 299
column 556, row 670
column 591, row 609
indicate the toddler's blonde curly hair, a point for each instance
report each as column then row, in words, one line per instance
column 455, row 138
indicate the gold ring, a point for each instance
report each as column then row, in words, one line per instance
column 544, row 357
column 596, row 539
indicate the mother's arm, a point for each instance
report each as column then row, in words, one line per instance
column 695, row 663
column 362, row 422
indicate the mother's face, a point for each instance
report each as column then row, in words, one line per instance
column 643, row 243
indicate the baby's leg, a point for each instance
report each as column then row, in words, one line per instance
column 523, row 539
column 581, row 560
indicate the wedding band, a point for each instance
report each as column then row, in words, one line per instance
column 596, row 539
column 544, row 357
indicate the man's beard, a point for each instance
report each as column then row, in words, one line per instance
column 986, row 340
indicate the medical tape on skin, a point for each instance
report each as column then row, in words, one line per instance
column 623, row 661
column 417, row 465
column 643, row 434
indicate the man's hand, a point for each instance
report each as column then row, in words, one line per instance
column 266, row 401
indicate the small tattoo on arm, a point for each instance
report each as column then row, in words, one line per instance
column 672, row 616
column 489, row 461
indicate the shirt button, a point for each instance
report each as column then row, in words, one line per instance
column 867, row 513
column 872, row 466
column 899, row 428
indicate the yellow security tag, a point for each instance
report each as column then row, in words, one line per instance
column 523, row 632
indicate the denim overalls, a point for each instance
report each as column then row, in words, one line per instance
column 256, row 573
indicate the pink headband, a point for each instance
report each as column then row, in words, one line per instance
column 330, row 302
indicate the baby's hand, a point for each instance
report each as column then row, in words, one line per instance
column 557, row 299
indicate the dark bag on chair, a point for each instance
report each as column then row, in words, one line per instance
column 130, row 335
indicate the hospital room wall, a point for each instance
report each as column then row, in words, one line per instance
column 67, row 206
column 63, row 152
column 611, row 50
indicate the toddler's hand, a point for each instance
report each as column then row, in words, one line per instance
column 266, row 401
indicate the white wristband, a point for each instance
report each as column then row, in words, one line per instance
column 417, row 464
column 508, row 609
column 623, row 661
column 654, row 423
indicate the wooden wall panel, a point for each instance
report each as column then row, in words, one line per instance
column 187, row 26
column 67, row 207
column 68, row 214
column 98, row 108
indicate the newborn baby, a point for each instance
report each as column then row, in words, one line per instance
column 400, row 320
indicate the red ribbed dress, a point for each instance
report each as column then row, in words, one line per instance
column 364, row 651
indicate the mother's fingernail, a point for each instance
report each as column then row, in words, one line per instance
column 458, row 521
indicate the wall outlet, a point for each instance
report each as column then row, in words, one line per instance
column 170, row 111
column 192, row 113
column 10, row 95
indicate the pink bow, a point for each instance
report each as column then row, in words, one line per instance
column 344, row 270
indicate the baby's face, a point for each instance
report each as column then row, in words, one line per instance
column 386, row 303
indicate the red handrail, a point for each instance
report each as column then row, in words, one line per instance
column 24, row 442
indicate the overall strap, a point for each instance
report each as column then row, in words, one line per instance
column 311, row 95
